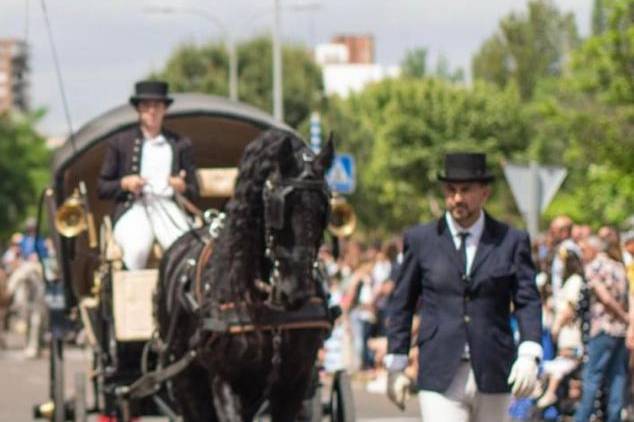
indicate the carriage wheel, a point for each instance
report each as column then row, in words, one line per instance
column 341, row 399
column 80, row 397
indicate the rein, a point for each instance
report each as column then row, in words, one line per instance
column 201, row 262
column 234, row 318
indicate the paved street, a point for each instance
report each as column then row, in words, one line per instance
column 25, row 382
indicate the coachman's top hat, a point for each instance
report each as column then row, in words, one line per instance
column 465, row 167
column 150, row 90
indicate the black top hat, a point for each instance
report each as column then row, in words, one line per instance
column 150, row 90
column 465, row 167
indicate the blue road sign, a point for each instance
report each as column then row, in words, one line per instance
column 341, row 176
column 315, row 132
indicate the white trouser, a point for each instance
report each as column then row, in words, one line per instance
column 463, row 403
column 149, row 218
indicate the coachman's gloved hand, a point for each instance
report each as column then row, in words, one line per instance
column 398, row 388
column 523, row 377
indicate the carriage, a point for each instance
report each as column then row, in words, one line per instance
column 114, row 305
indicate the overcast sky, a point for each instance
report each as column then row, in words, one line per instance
column 105, row 46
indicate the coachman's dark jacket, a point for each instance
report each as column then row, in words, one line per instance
column 456, row 309
column 123, row 158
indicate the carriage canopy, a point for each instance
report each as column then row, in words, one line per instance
column 218, row 128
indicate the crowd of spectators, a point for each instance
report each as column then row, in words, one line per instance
column 588, row 318
column 585, row 278
column 22, row 288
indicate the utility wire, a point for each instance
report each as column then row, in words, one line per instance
column 60, row 83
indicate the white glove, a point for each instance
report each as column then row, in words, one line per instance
column 523, row 376
column 398, row 388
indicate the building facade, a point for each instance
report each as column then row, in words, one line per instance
column 14, row 70
column 348, row 64
column 360, row 47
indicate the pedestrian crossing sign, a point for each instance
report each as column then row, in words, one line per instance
column 341, row 176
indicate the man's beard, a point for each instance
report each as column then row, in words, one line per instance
column 460, row 213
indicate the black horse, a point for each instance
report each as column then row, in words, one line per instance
column 252, row 311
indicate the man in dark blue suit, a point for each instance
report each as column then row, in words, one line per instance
column 465, row 274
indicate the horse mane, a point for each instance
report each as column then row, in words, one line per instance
column 239, row 257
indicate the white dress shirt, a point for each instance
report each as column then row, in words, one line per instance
column 156, row 166
column 475, row 233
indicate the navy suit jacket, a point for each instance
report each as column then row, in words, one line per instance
column 456, row 309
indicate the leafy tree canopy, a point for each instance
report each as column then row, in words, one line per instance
column 24, row 169
column 527, row 47
column 204, row 68
column 399, row 131
column 584, row 122
column 415, row 65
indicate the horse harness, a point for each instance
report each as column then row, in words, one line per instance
column 238, row 318
column 234, row 317
column 276, row 190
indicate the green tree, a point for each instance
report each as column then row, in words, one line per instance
column 24, row 169
column 604, row 65
column 584, row 122
column 598, row 17
column 415, row 66
column 527, row 48
column 415, row 63
column 399, row 131
column 443, row 70
column 204, row 68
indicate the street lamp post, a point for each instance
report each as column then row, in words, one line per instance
column 278, row 105
column 229, row 41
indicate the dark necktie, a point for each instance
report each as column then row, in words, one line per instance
column 463, row 250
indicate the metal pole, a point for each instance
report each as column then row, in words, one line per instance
column 233, row 68
column 534, row 209
column 57, row 368
column 278, row 106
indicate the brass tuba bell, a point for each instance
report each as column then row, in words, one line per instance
column 343, row 219
column 70, row 218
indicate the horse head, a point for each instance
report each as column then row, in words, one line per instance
column 296, row 211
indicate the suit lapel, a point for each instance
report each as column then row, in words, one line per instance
column 446, row 242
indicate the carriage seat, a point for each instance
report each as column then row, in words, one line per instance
column 113, row 253
column 217, row 182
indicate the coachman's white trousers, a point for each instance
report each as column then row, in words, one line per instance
column 151, row 217
column 463, row 403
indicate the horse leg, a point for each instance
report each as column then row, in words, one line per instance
column 193, row 395
column 287, row 398
column 286, row 403
column 229, row 405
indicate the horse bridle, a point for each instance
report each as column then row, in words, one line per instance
column 274, row 195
